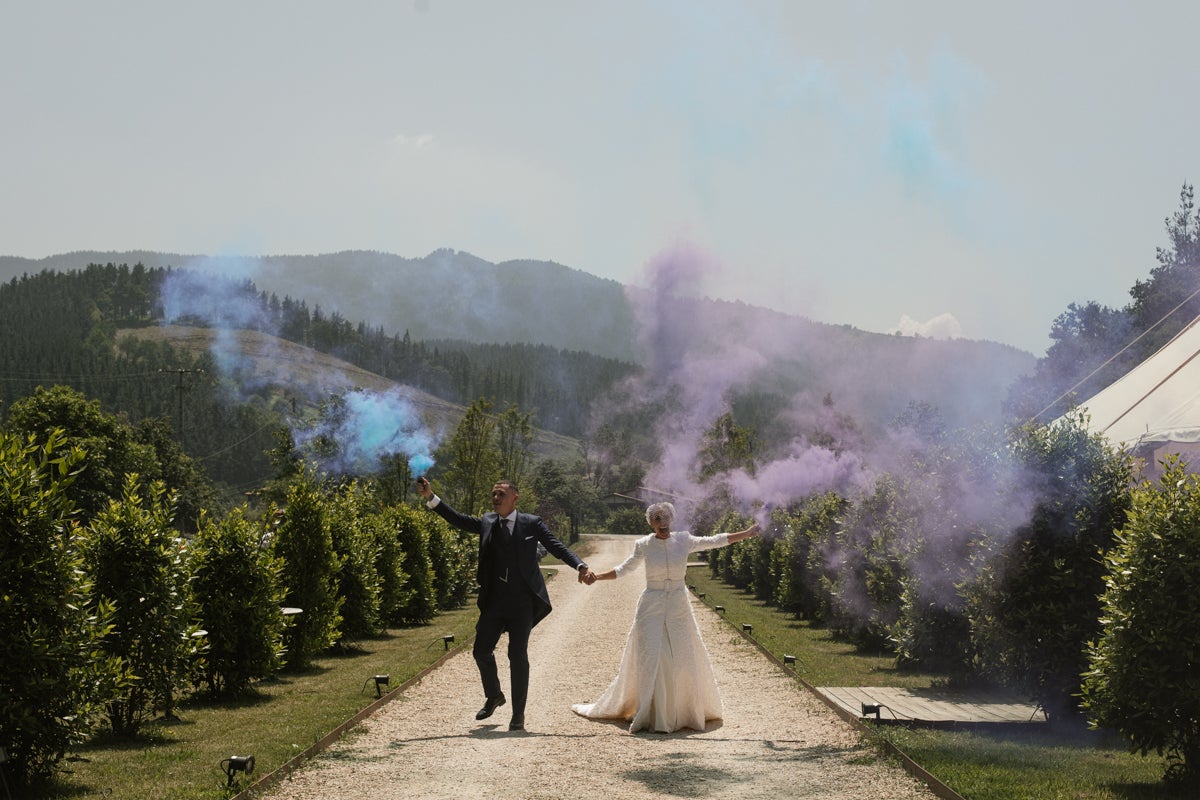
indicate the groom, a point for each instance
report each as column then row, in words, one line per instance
column 512, row 593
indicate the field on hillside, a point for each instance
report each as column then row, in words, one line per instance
column 294, row 370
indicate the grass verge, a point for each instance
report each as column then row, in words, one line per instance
column 1008, row 763
column 286, row 715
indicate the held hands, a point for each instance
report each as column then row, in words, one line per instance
column 586, row 576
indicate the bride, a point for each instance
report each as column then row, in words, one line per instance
column 665, row 682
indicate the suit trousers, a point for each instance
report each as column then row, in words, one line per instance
column 510, row 609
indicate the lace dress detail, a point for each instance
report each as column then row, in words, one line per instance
column 665, row 682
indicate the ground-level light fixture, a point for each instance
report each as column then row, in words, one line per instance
column 747, row 627
column 871, row 708
column 380, row 682
column 789, row 659
column 719, row 608
column 235, row 764
column 700, row 595
column 448, row 640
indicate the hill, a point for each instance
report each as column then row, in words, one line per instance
column 290, row 370
column 451, row 295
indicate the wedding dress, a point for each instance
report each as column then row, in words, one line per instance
column 665, row 681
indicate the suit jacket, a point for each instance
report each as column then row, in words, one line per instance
column 527, row 534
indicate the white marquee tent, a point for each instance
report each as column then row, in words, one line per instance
column 1154, row 409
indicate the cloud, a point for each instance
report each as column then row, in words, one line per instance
column 943, row 326
column 417, row 142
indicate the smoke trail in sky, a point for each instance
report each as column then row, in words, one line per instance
column 221, row 305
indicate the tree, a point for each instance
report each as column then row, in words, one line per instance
column 415, row 602
column 1141, row 675
column 112, row 449
column 193, row 491
column 1085, row 355
column 1039, row 603
column 1090, row 338
column 452, row 555
column 473, row 458
column 237, row 591
column 136, row 561
column 514, row 435
column 303, row 542
column 565, row 497
column 867, row 564
column 1175, row 281
column 356, row 548
column 54, row 676
column 726, row 446
column 800, row 554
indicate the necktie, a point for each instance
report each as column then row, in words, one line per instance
column 504, row 531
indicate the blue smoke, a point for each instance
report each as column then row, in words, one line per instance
column 368, row 428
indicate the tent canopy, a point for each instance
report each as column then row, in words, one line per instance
column 1157, row 402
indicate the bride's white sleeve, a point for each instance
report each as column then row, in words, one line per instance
column 635, row 558
column 707, row 542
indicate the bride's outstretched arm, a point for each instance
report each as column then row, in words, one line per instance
column 610, row 575
column 753, row 530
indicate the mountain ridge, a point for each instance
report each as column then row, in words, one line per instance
column 452, row 295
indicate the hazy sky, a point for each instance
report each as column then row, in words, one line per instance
column 967, row 168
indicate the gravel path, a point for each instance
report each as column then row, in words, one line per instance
column 776, row 740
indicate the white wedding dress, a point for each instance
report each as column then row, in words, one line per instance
column 665, row 681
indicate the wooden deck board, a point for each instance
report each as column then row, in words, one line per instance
column 940, row 706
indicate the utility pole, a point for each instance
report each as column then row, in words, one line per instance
column 179, row 390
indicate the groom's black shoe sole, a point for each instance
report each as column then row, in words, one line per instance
column 517, row 724
column 490, row 706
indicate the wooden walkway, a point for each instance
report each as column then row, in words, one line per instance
column 931, row 706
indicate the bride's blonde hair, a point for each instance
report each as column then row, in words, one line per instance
column 664, row 512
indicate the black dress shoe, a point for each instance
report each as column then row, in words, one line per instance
column 491, row 705
column 517, row 724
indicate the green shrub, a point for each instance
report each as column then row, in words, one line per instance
column 1039, row 598
column 867, row 566
column 1141, row 678
column 452, row 554
column 54, row 676
column 395, row 587
column 310, row 568
column 136, row 561
column 409, row 528
column 802, row 540
column 627, row 521
column 237, row 592
column 739, row 562
column 358, row 576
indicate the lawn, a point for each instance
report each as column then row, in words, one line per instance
column 1011, row 763
column 287, row 715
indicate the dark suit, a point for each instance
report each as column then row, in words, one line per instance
column 512, row 593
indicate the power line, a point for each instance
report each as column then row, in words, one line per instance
column 243, row 440
column 1115, row 356
column 34, row 377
